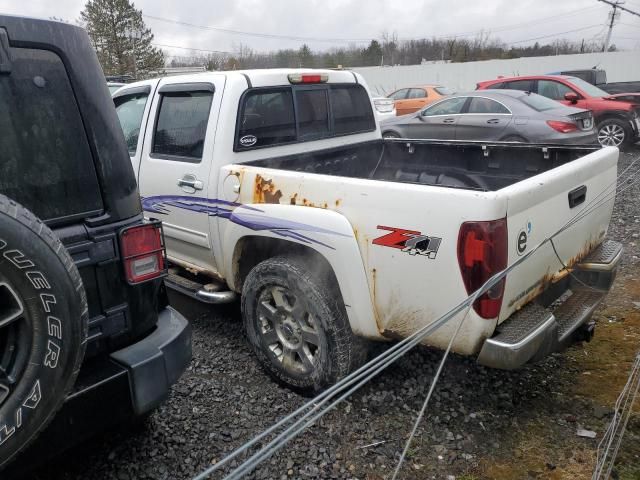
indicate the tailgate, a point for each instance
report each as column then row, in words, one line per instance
column 540, row 206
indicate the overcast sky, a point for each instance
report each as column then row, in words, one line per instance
column 340, row 22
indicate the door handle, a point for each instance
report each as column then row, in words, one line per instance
column 577, row 196
column 190, row 181
column 449, row 120
column 493, row 120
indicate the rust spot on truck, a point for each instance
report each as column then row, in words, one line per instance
column 338, row 202
column 294, row 199
column 264, row 191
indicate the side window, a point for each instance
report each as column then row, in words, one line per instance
column 267, row 118
column 553, row 90
column 181, row 125
column 451, row 106
column 417, row 93
column 496, row 86
column 351, row 110
column 524, row 85
column 312, row 112
column 400, row 94
column 486, row 105
column 130, row 109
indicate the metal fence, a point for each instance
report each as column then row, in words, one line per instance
column 620, row 67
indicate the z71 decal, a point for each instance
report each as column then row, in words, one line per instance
column 409, row 241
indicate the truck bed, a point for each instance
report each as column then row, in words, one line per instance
column 468, row 165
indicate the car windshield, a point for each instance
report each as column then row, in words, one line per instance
column 587, row 88
column 538, row 102
column 444, row 90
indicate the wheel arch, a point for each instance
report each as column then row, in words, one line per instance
column 613, row 115
column 329, row 242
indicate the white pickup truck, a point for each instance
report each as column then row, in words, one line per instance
column 276, row 185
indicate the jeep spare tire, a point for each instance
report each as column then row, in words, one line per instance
column 43, row 327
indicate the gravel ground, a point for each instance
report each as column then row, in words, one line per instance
column 482, row 423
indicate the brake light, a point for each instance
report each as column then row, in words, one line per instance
column 143, row 252
column 296, row 78
column 482, row 252
column 562, row 127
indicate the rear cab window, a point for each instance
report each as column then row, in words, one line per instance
column 46, row 163
column 284, row 115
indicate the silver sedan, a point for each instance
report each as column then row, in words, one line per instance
column 505, row 115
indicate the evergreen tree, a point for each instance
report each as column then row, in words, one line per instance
column 121, row 38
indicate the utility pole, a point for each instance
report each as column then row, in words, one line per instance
column 616, row 5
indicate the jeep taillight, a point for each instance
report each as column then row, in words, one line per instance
column 143, row 252
column 482, row 252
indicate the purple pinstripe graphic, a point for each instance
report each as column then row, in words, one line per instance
column 237, row 213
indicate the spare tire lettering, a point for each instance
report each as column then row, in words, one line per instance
column 55, row 327
column 38, row 280
column 32, row 401
column 53, row 354
column 47, row 299
column 34, row 397
column 18, row 259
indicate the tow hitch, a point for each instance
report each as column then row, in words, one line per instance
column 585, row 333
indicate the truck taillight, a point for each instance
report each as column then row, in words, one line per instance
column 143, row 252
column 482, row 252
column 562, row 127
column 296, row 78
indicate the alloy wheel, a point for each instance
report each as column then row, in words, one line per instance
column 15, row 342
column 611, row 135
column 288, row 330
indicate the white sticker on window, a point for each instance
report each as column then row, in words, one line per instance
column 248, row 140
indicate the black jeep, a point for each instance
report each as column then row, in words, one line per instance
column 86, row 337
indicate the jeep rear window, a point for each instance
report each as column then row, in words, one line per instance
column 282, row 115
column 45, row 163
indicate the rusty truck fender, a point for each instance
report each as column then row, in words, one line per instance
column 327, row 232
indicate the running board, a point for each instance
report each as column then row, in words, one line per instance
column 211, row 293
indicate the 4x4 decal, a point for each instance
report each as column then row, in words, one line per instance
column 409, row 241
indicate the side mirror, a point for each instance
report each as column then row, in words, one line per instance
column 571, row 97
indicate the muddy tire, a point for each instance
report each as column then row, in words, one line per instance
column 43, row 327
column 297, row 325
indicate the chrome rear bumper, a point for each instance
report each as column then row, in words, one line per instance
column 535, row 331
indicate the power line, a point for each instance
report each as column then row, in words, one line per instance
column 362, row 40
column 555, row 34
column 190, row 48
column 258, row 34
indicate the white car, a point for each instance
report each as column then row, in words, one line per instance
column 277, row 186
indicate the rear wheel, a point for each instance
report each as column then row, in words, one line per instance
column 43, row 327
column 613, row 133
column 296, row 325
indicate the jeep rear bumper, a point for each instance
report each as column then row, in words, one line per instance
column 157, row 361
column 112, row 391
column 535, row 331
